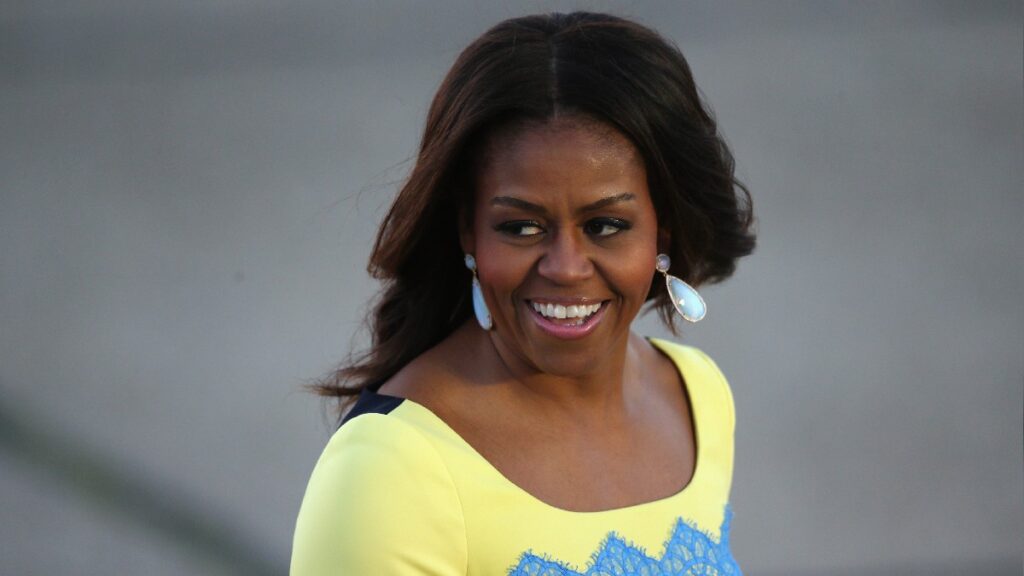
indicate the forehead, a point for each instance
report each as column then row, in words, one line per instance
column 567, row 155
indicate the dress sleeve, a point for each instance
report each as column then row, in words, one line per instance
column 380, row 501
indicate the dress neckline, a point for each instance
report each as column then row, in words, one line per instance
column 662, row 346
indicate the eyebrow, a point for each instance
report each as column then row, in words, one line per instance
column 514, row 202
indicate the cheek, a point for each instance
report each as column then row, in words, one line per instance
column 632, row 271
column 502, row 269
column 639, row 276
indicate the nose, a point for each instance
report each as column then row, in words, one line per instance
column 566, row 260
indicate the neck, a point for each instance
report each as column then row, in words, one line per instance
column 585, row 389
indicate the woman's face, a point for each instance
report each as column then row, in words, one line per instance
column 565, row 236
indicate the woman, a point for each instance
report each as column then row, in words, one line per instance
column 508, row 421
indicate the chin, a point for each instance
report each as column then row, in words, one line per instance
column 553, row 352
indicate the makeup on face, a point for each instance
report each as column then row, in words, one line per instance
column 565, row 237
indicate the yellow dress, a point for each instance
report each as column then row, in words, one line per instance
column 398, row 492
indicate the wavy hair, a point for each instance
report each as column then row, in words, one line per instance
column 532, row 69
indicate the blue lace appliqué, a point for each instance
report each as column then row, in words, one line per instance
column 688, row 552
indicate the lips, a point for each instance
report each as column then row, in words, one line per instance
column 564, row 320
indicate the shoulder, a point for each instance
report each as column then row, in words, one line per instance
column 702, row 376
column 379, row 501
column 435, row 374
column 446, row 378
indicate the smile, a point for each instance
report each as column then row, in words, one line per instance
column 567, row 321
column 577, row 312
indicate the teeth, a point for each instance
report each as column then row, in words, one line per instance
column 562, row 312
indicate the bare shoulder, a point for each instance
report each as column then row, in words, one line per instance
column 659, row 378
column 659, row 365
column 418, row 380
column 433, row 376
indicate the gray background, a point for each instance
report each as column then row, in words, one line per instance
column 190, row 191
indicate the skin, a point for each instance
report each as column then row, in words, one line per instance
column 562, row 211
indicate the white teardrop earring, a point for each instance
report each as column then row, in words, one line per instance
column 687, row 302
column 483, row 315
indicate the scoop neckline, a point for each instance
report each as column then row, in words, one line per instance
column 659, row 345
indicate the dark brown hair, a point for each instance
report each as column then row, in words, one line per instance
column 529, row 70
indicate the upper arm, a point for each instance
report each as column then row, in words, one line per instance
column 380, row 501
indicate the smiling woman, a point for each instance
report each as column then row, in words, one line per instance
column 567, row 159
column 562, row 220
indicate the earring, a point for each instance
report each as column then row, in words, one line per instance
column 685, row 298
column 483, row 315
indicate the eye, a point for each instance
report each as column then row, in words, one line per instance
column 521, row 228
column 605, row 226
